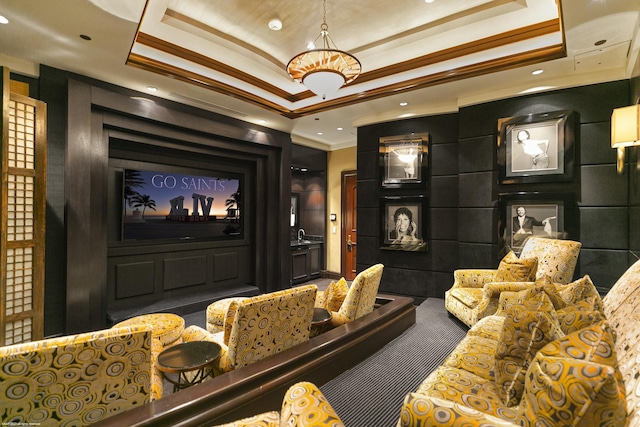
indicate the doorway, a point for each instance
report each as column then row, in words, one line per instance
column 349, row 245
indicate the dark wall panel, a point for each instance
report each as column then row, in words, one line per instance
column 410, row 273
column 602, row 186
column 476, row 189
column 477, row 225
column 476, row 154
column 184, row 272
column 444, row 191
column 607, row 204
column 225, row 266
column 604, row 227
column 134, row 279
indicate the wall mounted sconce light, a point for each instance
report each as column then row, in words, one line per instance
column 625, row 131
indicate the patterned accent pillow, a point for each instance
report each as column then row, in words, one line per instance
column 580, row 315
column 545, row 283
column 532, row 298
column 526, row 330
column 582, row 289
column 574, row 381
column 335, row 294
column 514, row 269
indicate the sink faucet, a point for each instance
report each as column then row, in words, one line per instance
column 300, row 234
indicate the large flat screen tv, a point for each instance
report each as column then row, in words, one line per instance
column 166, row 205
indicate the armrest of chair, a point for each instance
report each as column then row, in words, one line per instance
column 494, row 289
column 491, row 296
column 304, row 404
column 422, row 410
column 472, row 278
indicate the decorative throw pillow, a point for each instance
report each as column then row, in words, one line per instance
column 532, row 298
column 335, row 294
column 574, row 381
column 545, row 283
column 580, row 315
column 514, row 269
column 526, row 330
column 582, row 289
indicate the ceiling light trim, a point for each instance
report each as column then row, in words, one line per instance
column 473, row 70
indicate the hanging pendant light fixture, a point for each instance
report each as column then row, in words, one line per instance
column 324, row 70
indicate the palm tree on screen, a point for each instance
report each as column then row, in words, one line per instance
column 143, row 200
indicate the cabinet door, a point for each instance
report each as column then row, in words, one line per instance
column 299, row 265
column 315, row 260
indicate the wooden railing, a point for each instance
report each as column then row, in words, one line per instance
column 259, row 387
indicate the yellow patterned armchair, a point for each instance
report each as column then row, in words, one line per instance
column 360, row 298
column 475, row 293
column 76, row 379
column 303, row 405
column 261, row 326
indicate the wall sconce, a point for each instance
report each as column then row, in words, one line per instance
column 625, row 131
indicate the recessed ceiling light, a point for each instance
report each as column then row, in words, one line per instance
column 320, row 133
column 3, row 20
column 404, row 104
column 275, row 24
column 428, row 1
column 262, row 121
column 152, row 88
column 538, row 71
column 339, row 129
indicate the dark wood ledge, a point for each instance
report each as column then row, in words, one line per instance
column 259, row 387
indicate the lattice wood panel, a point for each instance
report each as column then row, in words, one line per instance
column 22, row 219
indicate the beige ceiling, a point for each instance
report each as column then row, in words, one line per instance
column 222, row 56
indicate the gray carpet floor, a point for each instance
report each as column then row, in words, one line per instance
column 371, row 393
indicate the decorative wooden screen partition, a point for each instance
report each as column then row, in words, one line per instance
column 22, row 217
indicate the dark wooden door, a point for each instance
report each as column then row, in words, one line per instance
column 349, row 225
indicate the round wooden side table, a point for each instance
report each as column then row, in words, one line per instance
column 192, row 361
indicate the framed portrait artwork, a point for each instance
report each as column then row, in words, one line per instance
column 522, row 215
column 536, row 148
column 404, row 223
column 404, row 160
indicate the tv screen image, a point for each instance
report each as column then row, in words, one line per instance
column 167, row 205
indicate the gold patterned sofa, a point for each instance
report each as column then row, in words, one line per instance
column 261, row 326
column 76, row 379
column 552, row 355
column 475, row 292
column 303, row 405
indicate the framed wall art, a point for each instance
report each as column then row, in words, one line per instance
column 404, row 223
column 536, row 148
column 404, row 160
column 522, row 215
